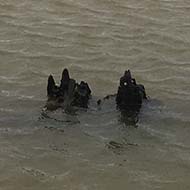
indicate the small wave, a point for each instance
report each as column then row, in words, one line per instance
column 7, row 110
column 167, row 79
column 6, row 93
column 12, row 52
column 41, row 35
column 6, row 79
column 158, row 111
column 16, row 131
column 164, row 37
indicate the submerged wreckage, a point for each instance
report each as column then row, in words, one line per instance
column 129, row 97
column 68, row 94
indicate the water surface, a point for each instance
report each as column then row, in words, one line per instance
column 97, row 41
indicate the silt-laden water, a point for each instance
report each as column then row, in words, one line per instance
column 97, row 41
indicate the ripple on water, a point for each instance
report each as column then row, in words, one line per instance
column 97, row 40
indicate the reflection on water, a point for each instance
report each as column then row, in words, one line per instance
column 98, row 148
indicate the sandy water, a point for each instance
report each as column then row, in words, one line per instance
column 97, row 41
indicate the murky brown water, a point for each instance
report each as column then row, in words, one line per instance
column 97, row 40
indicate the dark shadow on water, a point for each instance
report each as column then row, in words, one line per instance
column 59, row 116
column 129, row 118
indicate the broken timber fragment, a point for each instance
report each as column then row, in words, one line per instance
column 130, row 94
column 68, row 94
